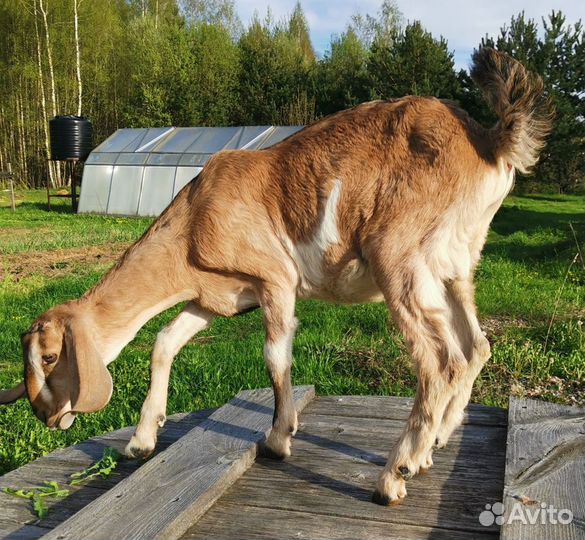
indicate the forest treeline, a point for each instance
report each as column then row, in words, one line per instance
column 146, row 63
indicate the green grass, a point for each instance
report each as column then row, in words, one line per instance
column 525, row 284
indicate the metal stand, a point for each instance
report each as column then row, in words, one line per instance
column 70, row 164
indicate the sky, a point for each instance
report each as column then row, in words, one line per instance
column 462, row 22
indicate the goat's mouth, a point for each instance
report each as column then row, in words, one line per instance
column 66, row 421
column 62, row 422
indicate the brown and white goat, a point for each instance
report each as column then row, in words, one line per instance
column 389, row 201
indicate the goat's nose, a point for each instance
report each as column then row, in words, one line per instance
column 42, row 416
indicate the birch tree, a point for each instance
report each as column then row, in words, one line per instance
column 77, row 56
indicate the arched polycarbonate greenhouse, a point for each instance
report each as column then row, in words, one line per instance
column 138, row 172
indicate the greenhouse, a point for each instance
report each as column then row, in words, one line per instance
column 138, row 172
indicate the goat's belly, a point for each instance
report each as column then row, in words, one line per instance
column 353, row 284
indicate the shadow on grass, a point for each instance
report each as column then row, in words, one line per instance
column 547, row 198
column 511, row 220
column 44, row 207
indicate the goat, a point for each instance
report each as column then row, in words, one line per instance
column 389, row 201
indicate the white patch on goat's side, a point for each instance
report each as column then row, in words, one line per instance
column 308, row 256
column 278, row 353
column 327, row 234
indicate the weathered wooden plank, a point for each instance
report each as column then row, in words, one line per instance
column 167, row 494
column 16, row 514
column 545, row 467
column 396, row 408
column 297, row 486
column 333, row 471
column 322, row 444
column 386, row 432
column 268, row 523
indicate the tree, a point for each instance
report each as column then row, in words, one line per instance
column 343, row 77
column 383, row 28
column 213, row 12
column 415, row 63
column 298, row 32
column 214, row 77
column 276, row 72
column 561, row 57
column 77, row 57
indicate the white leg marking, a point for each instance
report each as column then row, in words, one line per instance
column 168, row 343
column 278, row 354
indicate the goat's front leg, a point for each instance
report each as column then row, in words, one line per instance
column 278, row 305
column 169, row 342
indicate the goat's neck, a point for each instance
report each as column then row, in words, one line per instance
column 151, row 277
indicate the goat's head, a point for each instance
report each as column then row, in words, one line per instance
column 63, row 372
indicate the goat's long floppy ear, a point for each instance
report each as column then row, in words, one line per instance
column 91, row 382
column 12, row 395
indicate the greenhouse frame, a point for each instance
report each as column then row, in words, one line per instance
column 139, row 171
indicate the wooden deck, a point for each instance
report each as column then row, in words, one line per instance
column 324, row 490
column 205, row 483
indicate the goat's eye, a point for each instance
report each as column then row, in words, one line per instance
column 49, row 359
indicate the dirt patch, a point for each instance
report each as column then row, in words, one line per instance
column 11, row 232
column 62, row 262
column 495, row 326
column 552, row 389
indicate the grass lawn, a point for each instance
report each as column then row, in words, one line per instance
column 530, row 294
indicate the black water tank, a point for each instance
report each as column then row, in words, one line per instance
column 71, row 137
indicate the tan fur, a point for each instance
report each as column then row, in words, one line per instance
column 389, row 200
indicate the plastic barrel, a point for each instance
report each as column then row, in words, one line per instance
column 71, row 137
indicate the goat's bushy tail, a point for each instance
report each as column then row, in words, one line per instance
column 517, row 96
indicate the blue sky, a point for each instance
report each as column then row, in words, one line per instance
column 461, row 22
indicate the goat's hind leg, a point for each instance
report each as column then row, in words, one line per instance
column 417, row 301
column 475, row 347
column 278, row 305
column 169, row 342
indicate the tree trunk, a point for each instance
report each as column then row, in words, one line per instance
column 57, row 177
column 44, row 119
column 78, row 59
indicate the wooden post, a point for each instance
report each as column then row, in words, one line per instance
column 12, row 202
column 48, row 189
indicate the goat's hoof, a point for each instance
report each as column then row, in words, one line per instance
column 277, row 446
column 427, row 463
column 382, row 500
column 391, row 489
column 440, row 443
column 137, row 449
column 265, row 451
column 395, row 494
